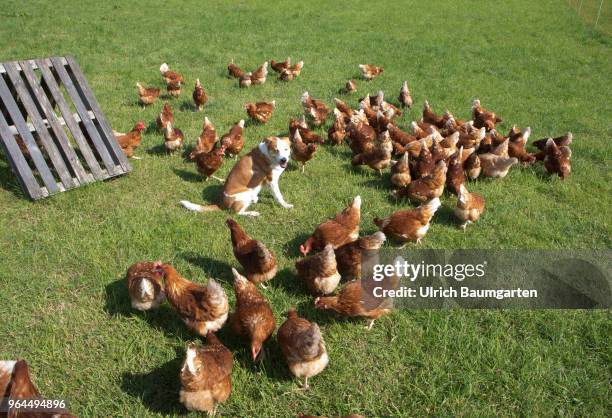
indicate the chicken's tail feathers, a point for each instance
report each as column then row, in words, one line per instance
column 163, row 68
column 216, row 292
column 198, row 208
column 311, row 338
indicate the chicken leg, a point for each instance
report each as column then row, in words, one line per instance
column 370, row 324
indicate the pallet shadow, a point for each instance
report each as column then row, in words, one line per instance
column 157, row 389
column 8, row 180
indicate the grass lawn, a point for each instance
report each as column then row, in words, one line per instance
column 63, row 303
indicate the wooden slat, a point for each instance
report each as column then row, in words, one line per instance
column 52, row 120
column 27, row 137
column 34, row 64
column 82, row 111
column 46, row 122
column 12, row 69
column 86, row 92
column 71, row 121
column 17, row 161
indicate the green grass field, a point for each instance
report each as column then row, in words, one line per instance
column 63, row 303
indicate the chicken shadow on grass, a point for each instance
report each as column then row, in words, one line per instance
column 290, row 282
column 445, row 215
column 159, row 149
column 292, row 248
column 378, row 182
column 212, row 268
column 267, row 362
column 158, row 388
column 188, row 106
column 252, row 123
column 163, row 318
column 151, row 128
column 190, row 176
column 340, row 151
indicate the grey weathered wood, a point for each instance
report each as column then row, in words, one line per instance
column 82, row 111
column 87, row 95
column 18, row 162
column 28, row 139
column 29, row 111
column 59, row 118
column 24, row 95
column 70, row 120
column 51, row 119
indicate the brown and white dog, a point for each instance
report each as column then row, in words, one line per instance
column 264, row 164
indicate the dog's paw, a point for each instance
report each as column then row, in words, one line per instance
column 288, row 206
column 249, row 213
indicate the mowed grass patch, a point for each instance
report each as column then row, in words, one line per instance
column 63, row 303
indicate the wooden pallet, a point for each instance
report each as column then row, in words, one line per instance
column 52, row 131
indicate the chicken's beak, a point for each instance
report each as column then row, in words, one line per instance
column 157, row 266
column 255, row 349
column 303, row 250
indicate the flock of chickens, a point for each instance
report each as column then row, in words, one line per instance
column 205, row 373
column 440, row 152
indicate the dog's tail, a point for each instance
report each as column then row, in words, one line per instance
column 199, row 208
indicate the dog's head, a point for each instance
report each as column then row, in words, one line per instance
column 279, row 150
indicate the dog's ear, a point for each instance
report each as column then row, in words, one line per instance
column 271, row 143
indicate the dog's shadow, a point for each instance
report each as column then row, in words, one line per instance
column 213, row 192
column 158, row 388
